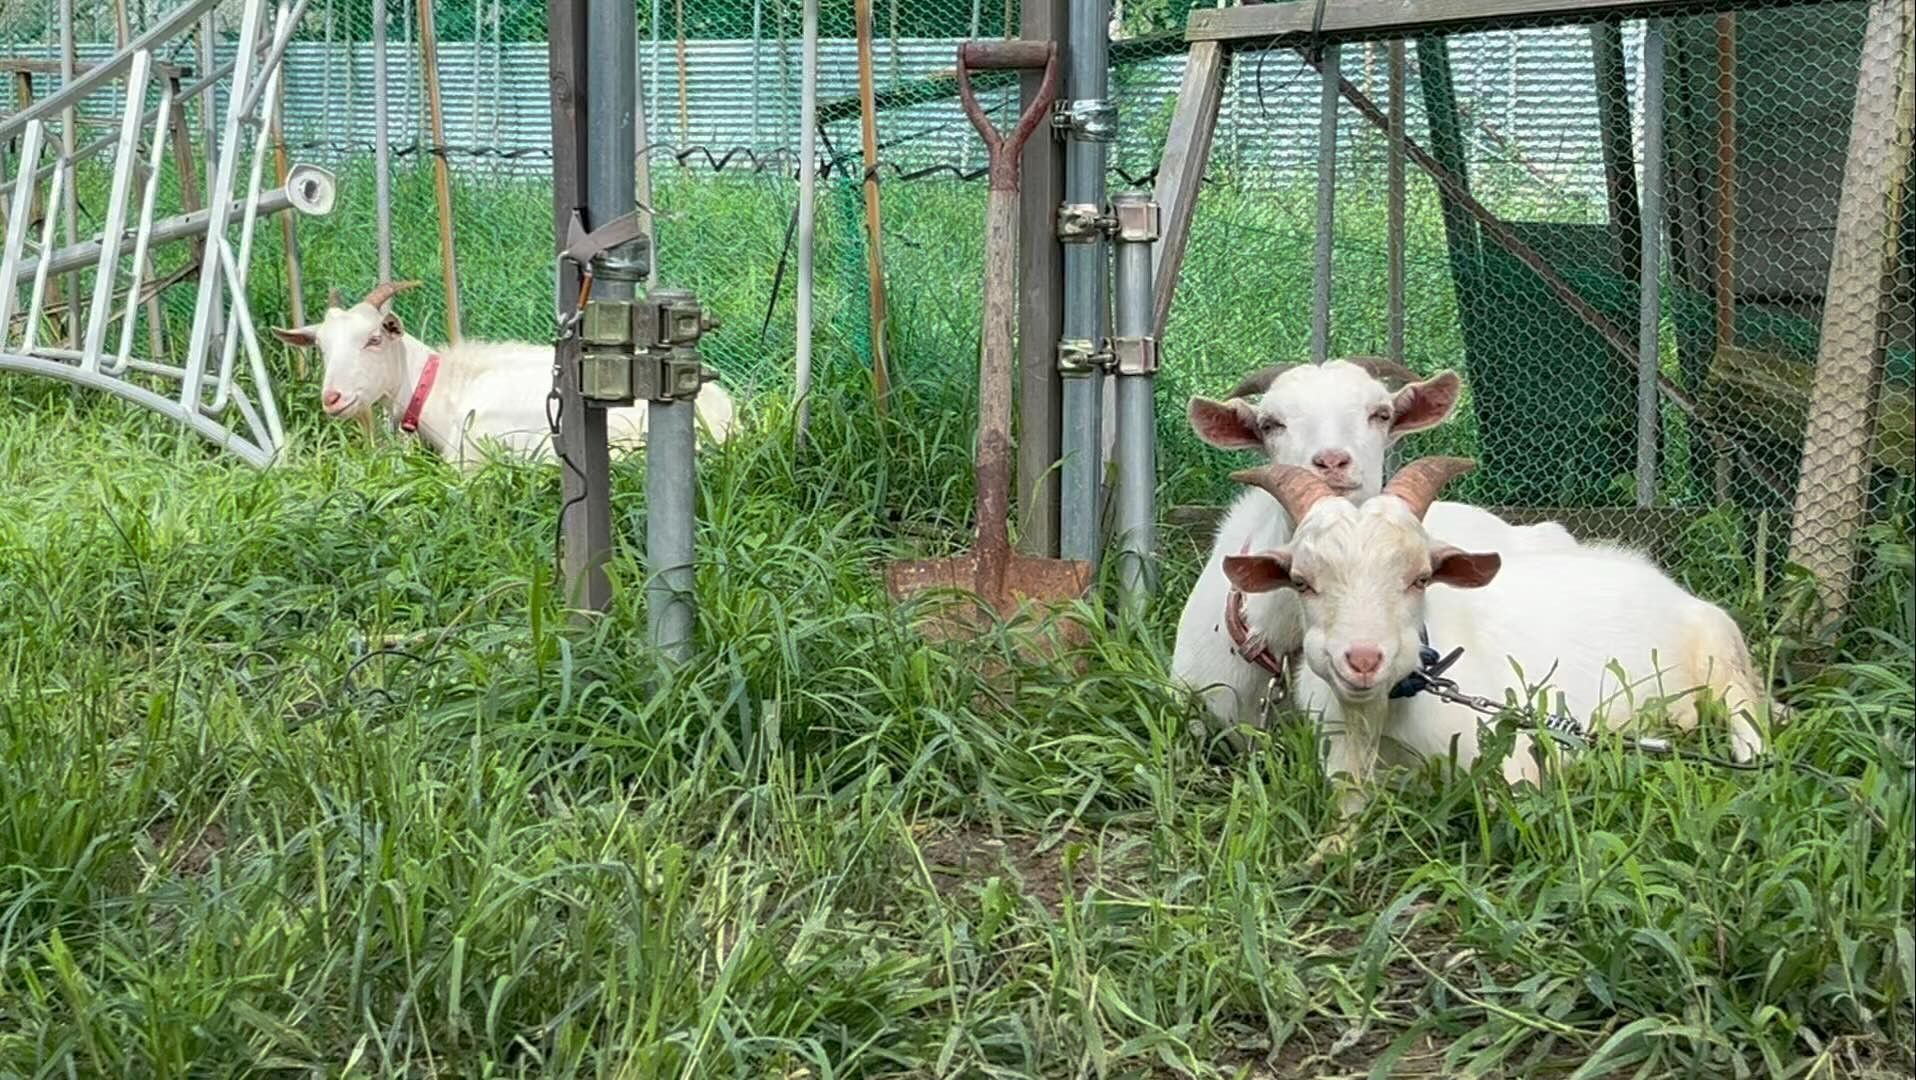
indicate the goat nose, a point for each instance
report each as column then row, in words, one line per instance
column 1364, row 659
column 330, row 398
column 1332, row 459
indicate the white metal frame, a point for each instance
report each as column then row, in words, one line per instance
column 231, row 405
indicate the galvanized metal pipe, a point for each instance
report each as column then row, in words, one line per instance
column 807, row 205
column 207, row 308
column 382, row 152
column 1137, row 416
column 1326, row 207
column 1081, row 481
column 76, row 89
column 309, row 190
column 1394, row 210
column 114, row 231
column 1650, row 296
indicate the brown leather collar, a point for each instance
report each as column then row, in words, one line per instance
column 1240, row 632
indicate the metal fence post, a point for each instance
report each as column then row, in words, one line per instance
column 1090, row 123
column 1649, row 299
column 1135, row 359
column 1326, row 208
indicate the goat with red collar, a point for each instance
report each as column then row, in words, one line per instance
column 468, row 401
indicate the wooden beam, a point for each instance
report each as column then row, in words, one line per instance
column 1347, row 20
column 1040, row 314
column 1833, row 486
column 1619, row 158
column 1187, row 149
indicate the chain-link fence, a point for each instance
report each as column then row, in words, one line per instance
column 1781, row 381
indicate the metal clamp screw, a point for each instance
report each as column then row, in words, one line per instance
column 1077, row 356
column 1080, row 223
column 1088, row 120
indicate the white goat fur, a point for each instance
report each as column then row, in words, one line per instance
column 1306, row 411
column 1576, row 616
column 488, row 397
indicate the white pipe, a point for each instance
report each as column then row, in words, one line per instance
column 807, row 218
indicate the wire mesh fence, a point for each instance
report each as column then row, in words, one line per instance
column 1781, row 379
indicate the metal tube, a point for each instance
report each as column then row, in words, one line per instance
column 309, row 190
column 73, row 90
column 1650, row 296
column 382, row 161
column 1326, row 208
column 70, row 205
column 1081, row 479
column 113, row 232
column 143, row 235
column 1137, row 417
column 241, row 267
column 35, row 305
column 807, row 205
column 16, row 238
column 1394, row 209
column 205, row 320
column 282, row 36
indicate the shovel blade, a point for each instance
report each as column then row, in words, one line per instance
column 1020, row 587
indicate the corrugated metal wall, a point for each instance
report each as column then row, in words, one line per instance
column 1527, row 97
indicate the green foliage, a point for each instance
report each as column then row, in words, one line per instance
column 303, row 772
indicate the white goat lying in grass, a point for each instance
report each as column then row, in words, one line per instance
column 1338, row 420
column 1577, row 617
column 465, row 400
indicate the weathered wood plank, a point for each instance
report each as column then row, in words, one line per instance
column 1833, row 486
column 1187, row 149
column 1346, row 20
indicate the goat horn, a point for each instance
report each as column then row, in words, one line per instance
column 334, row 299
column 386, row 290
column 1420, row 482
column 1298, row 489
column 1258, row 381
column 1384, row 371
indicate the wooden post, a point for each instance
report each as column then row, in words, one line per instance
column 875, row 238
column 289, row 239
column 442, row 172
column 1619, row 164
column 189, row 177
column 1187, row 149
column 1833, row 487
column 1040, row 316
column 1725, row 181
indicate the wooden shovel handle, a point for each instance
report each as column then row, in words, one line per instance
column 1007, row 56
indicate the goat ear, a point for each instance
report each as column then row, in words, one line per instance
column 1425, row 404
column 1228, row 425
column 1464, row 569
column 301, row 337
column 1259, row 573
column 391, row 325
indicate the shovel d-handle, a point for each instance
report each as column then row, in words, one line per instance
column 1007, row 56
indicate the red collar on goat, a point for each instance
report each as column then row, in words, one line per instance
column 1240, row 632
column 409, row 423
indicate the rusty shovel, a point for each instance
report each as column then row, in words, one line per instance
column 1002, row 580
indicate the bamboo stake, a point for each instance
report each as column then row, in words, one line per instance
column 684, row 106
column 874, row 247
column 442, row 173
column 289, row 239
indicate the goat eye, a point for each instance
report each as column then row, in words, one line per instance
column 1380, row 416
column 373, row 341
column 1421, row 582
column 1270, row 425
column 1303, row 587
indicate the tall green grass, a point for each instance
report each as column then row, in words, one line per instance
column 302, row 772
